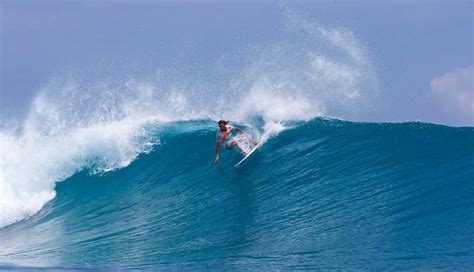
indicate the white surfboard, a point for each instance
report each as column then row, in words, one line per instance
column 262, row 140
column 248, row 154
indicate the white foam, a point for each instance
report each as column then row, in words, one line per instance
column 32, row 162
column 76, row 123
column 265, row 100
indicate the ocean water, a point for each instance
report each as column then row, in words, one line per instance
column 111, row 166
column 319, row 194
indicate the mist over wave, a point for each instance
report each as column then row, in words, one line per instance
column 97, row 120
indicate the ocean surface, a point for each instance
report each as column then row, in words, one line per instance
column 320, row 194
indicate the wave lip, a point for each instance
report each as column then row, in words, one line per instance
column 33, row 162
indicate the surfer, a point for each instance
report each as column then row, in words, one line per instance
column 226, row 136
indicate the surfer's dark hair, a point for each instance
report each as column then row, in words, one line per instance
column 223, row 121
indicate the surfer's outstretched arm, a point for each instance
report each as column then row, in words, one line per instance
column 218, row 147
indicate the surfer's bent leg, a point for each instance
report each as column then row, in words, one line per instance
column 236, row 144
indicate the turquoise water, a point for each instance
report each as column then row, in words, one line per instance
column 324, row 194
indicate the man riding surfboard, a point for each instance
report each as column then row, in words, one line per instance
column 226, row 136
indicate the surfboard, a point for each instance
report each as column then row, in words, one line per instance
column 248, row 155
column 262, row 140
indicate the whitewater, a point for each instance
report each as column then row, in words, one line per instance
column 116, row 171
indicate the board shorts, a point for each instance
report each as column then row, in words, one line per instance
column 229, row 143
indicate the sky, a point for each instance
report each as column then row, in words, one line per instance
column 421, row 51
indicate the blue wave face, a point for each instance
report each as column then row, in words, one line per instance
column 324, row 194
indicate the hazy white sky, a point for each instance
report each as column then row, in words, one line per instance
column 421, row 51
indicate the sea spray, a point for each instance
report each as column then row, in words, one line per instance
column 98, row 122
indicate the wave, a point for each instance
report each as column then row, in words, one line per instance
column 80, row 121
column 113, row 169
column 325, row 193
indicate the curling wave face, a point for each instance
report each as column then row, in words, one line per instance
column 322, row 194
column 99, row 123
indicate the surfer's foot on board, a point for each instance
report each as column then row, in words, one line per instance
column 241, row 150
